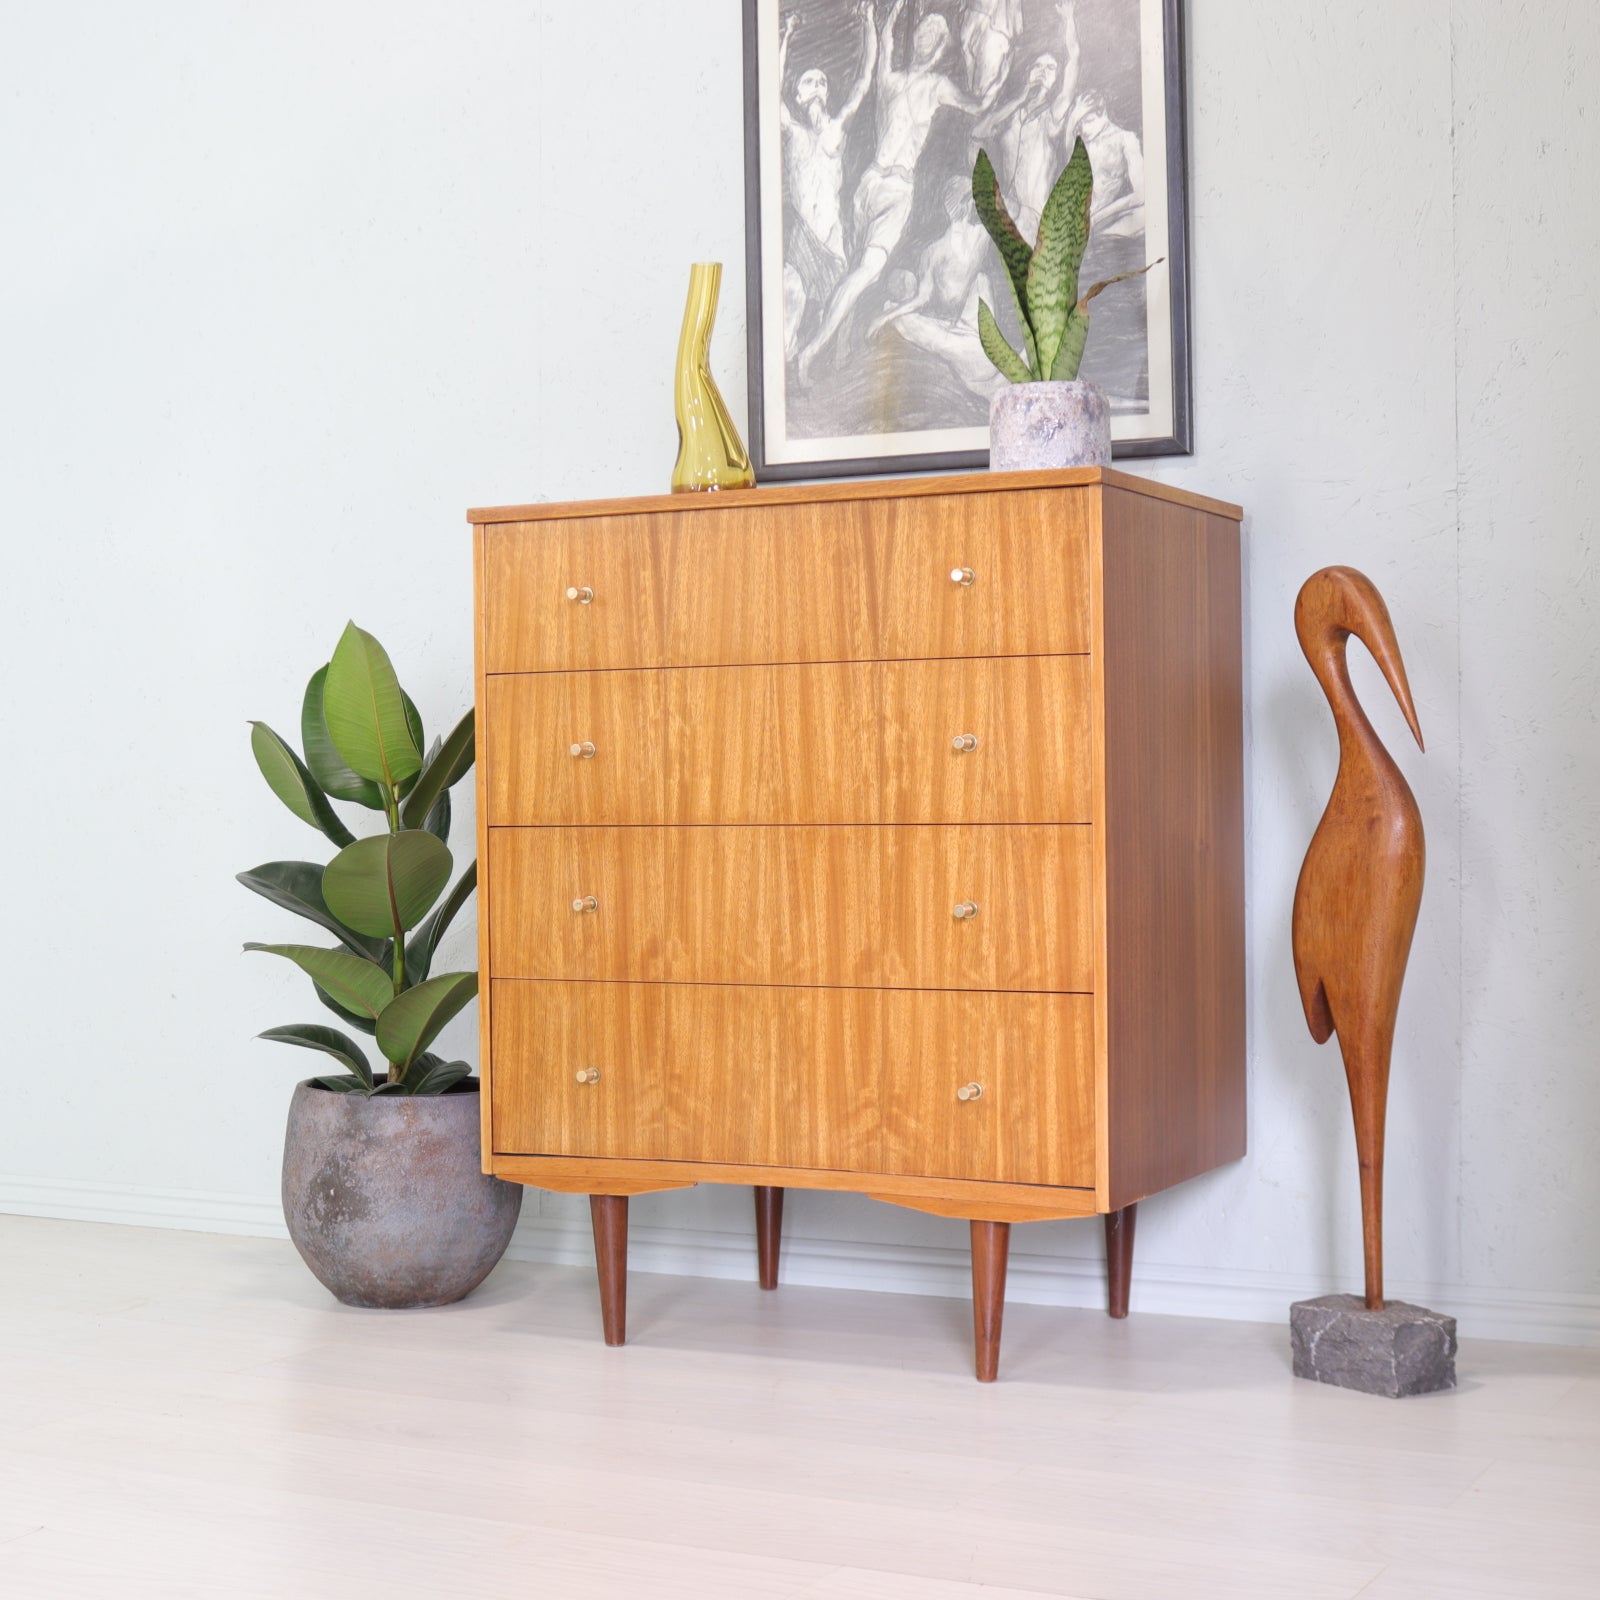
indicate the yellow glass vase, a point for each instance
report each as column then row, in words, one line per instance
column 711, row 455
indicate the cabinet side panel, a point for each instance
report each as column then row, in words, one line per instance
column 1174, row 798
column 481, row 782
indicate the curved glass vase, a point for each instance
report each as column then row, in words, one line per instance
column 711, row 455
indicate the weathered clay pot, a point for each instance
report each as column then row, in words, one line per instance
column 385, row 1198
column 1033, row 426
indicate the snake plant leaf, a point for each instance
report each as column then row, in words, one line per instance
column 326, row 764
column 288, row 778
column 1069, row 358
column 451, row 763
column 996, row 348
column 313, row 1036
column 356, row 984
column 1053, row 270
column 1015, row 252
column 386, row 884
column 422, row 944
column 1105, row 283
column 413, row 1019
column 367, row 715
column 439, row 1078
column 344, row 1085
column 297, row 887
column 353, row 1019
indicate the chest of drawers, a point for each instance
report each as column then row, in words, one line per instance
column 882, row 837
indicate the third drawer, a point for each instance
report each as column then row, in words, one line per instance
column 922, row 907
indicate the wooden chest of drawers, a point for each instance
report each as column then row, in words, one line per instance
column 872, row 836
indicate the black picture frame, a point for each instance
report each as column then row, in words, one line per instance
column 1172, row 433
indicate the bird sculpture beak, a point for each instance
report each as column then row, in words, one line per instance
column 1367, row 617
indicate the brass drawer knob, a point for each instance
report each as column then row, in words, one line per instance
column 584, row 750
column 964, row 741
column 970, row 1091
column 586, row 902
column 965, row 911
column 582, row 593
column 588, row 1074
column 963, row 576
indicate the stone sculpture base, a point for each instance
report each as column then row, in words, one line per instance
column 1398, row 1351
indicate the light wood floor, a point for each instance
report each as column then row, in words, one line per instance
column 188, row 1417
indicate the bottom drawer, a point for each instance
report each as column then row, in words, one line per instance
column 860, row 1080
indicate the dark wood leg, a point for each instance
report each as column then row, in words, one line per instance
column 1119, row 1259
column 769, row 1230
column 609, row 1213
column 991, row 1244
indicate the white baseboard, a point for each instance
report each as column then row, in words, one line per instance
column 1482, row 1313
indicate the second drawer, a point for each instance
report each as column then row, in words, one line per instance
column 837, row 906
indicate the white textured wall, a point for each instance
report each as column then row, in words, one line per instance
column 287, row 288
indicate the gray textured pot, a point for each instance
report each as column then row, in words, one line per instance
column 385, row 1198
column 1040, row 425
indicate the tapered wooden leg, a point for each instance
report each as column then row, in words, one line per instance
column 1119, row 1259
column 609, row 1214
column 769, row 1230
column 991, row 1244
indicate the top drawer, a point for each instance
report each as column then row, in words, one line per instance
column 935, row 576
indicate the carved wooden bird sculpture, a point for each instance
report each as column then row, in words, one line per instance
column 1355, row 906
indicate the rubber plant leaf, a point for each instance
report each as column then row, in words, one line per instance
column 297, row 887
column 996, row 348
column 451, row 763
column 422, row 944
column 445, row 1076
column 313, row 1036
column 413, row 1019
column 437, row 821
column 343, row 1085
column 355, row 984
column 362, row 1022
column 386, row 884
column 414, row 723
column 366, row 711
column 326, row 764
column 1053, row 271
column 288, row 778
column 1015, row 252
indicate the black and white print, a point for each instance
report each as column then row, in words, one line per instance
column 867, row 258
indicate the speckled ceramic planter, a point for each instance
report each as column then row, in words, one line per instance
column 385, row 1198
column 1033, row 426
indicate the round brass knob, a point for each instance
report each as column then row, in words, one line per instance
column 962, row 575
column 588, row 1074
column 970, row 1091
column 964, row 741
column 582, row 593
column 584, row 750
column 965, row 911
column 586, row 902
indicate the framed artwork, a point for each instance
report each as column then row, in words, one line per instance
column 865, row 257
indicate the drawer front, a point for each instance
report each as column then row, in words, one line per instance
column 690, row 1072
column 1032, row 1057
column 862, row 581
column 1032, row 723
column 844, row 907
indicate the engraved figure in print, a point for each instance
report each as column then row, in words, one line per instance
column 989, row 28
column 1355, row 906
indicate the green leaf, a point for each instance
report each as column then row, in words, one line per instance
column 356, row 984
column 414, row 723
column 421, row 945
column 1053, row 271
column 412, row 1020
column 1015, row 252
column 343, row 1085
column 437, row 822
column 362, row 1023
column 367, row 716
column 390, row 1088
column 386, row 884
column 326, row 764
column 446, row 1075
column 312, row 1036
column 996, row 348
column 297, row 887
column 287, row 777
column 449, row 766
column 1070, row 356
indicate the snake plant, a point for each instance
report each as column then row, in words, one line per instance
column 1043, row 278
column 380, row 895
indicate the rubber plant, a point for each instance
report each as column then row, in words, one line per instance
column 1044, row 276
column 380, row 896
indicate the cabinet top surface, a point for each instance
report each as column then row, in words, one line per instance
column 856, row 489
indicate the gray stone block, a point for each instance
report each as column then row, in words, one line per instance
column 1398, row 1351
